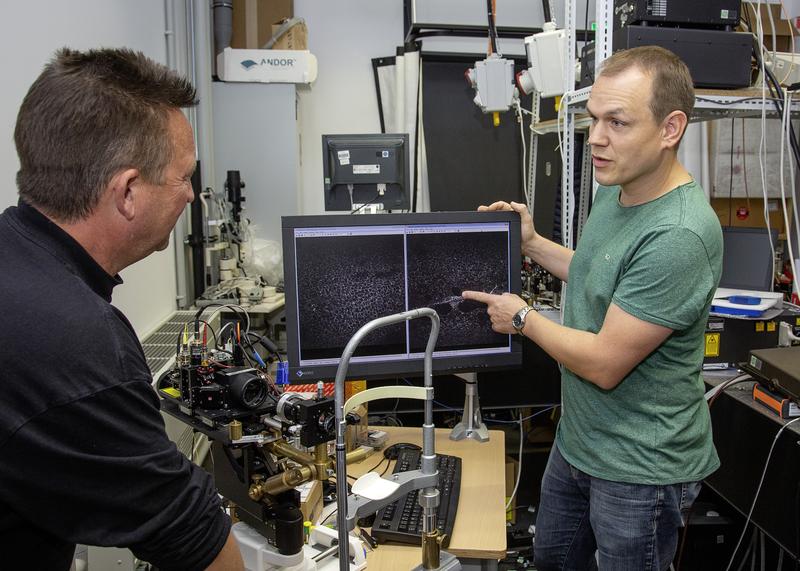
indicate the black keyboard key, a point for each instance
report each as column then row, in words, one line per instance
column 402, row 520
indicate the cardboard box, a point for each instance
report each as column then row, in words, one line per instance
column 783, row 28
column 729, row 214
column 295, row 38
column 253, row 20
column 310, row 500
column 512, row 466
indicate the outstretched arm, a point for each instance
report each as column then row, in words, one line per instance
column 603, row 358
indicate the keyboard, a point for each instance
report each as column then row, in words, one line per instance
column 401, row 521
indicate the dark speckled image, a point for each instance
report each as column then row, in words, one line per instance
column 343, row 282
column 440, row 267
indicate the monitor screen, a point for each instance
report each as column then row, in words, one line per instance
column 747, row 259
column 343, row 271
column 366, row 169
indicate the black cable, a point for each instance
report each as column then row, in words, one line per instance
column 492, row 29
column 732, row 102
column 238, row 311
column 548, row 17
column 241, row 314
column 375, row 467
column 250, row 345
column 327, row 517
column 267, row 344
column 777, row 98
column 180, row 333
column 377, row 196
column 213, row 333
column 730, row 186
column 779, row 108
column 178, row 343
column 585, row 20
column 779, row 103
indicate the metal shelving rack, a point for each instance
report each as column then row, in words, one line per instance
column 715, row 104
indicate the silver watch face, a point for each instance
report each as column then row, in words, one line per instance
column 518, row 321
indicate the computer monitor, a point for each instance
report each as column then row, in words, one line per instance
column 343, row 271
column 366, row 169
column 747, row 259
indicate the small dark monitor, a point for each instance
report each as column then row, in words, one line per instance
column 343, row 271
column 747, row 258
column 366, row 169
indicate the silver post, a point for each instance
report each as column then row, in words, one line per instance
column 341, row 425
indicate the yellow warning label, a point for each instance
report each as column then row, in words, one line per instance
column 771, row 325
column 760, row 326
column 172, row 392
column 797, row 321
column 712, row 344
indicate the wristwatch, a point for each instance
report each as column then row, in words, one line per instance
column 518, row 321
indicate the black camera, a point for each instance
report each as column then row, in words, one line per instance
column 217, row 393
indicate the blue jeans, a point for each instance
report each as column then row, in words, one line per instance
column 633, row 527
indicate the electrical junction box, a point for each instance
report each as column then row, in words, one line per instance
column 547, row 52
column 267, row 66
column 785, row 66
column 493, row 80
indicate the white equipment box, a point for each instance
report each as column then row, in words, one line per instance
column 267, row 66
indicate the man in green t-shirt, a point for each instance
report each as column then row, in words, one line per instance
column 634, row 440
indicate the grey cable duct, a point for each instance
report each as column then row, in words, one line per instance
column 223, row 25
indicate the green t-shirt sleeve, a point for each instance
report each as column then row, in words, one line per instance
column 668, row 280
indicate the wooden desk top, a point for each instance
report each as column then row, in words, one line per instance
column 480, row 527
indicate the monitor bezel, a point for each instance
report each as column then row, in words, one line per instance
column 390, row 368
column 398, row 141
column 766, row 279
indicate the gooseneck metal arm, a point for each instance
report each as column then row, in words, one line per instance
column 430, row 495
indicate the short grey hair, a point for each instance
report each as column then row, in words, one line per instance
column 86, row 117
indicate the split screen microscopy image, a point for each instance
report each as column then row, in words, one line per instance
column 343, row 282
column 440, row 267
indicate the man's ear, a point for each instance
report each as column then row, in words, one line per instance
column 124, row 186
column 673, row 127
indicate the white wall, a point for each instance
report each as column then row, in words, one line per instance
column 255, row 132
column 344, row 36
column 29, row 34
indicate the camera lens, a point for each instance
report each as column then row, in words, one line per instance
column 248, row 390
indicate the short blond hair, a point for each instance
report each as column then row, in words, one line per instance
column 672, row 87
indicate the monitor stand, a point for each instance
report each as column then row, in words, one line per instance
column 471, row 425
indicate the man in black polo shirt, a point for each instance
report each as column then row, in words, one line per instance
column 106, row 160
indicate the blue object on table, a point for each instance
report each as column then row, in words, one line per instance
column 744, row 299
column 741, row 311
column 283, row 373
